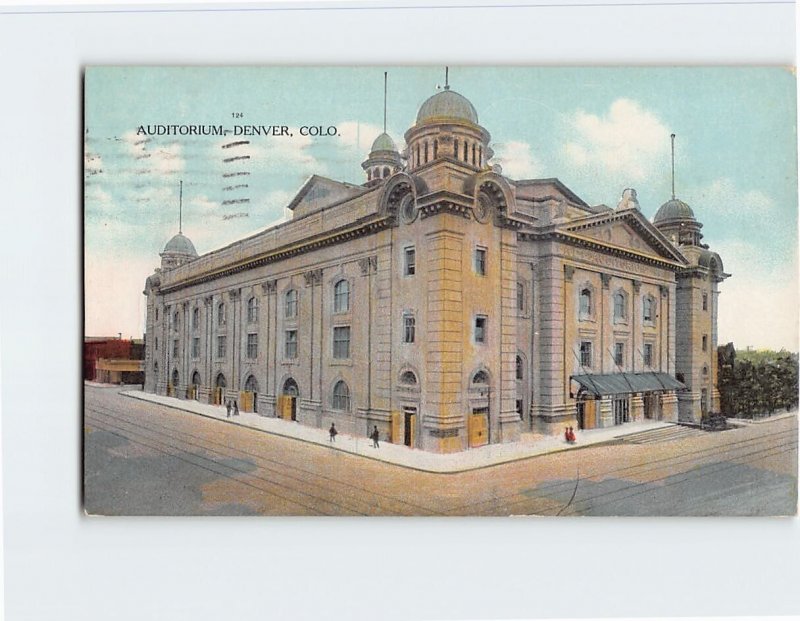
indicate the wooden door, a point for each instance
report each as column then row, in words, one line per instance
column 397, row 428
column 478, row 430
column 589, row 414
column 408, row 432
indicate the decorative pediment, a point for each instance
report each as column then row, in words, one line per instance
column 627, row 229
column 318, row 192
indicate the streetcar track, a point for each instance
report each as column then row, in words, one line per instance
column 227, row 476
column 281, row 472
column 649, row 465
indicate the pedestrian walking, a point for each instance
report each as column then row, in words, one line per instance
column 571, row 436
column 228, row 408
column 333, row 432
column 236, row 408
column 375, row 435
column 566, row 434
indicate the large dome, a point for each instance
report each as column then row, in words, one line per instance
column 384, row 142
column 673, row 209
column 180, row 244
column 447, row 104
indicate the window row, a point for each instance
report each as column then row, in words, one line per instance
column 619, row 354
column 586, row 306
column 341, row 345
column 479, row 261
column 341, row 304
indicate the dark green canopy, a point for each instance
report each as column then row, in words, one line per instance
column 607, row 384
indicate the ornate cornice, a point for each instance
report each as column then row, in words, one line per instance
column 593, row 244
column 368, row 265
column 270, row 286
column 284, row 252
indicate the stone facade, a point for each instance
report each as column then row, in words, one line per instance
column 441, row 302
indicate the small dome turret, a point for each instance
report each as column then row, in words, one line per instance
column 179, row 250
column 383, row 161
column 673, row 209
column 383, row 142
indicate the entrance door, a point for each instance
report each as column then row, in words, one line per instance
column 621, row 411
column 290, row 394
column 587, row 414
column 478, row 427
column 410, row 415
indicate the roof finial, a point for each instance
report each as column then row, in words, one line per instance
column 672, row 138
column 385, row 82
column 447, row 78
column 180, row 210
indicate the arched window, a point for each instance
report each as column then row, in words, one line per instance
column 385, row 171
column 648, row 309
column 175, row 377
column 426, row 152
column 290, row 306
column 341, row 397
column 466, row 151
column 520, row 368
column 155, row 371
column 195, row 318
column 408, row 377
column 221, row 314
column 369, row 174
column 435, row 148
column 220, row 381
column 251, row 385
column 481, row 377
column 480, row 156
column 252, row 310
column 619, row 306
column 705, row 370
column 473, row 154
column 196, row 378
column 341, row 297
column 455, row 148
column 586, row 303
column 290, row 388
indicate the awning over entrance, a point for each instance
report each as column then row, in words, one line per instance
column 608, row 384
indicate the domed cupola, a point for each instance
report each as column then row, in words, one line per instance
column 383, row 161
column 675, row 219
column 447, row 129
column 179, row 250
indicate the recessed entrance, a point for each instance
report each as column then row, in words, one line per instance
column 249, row 395
column 478, row 427
column 410, row 420
column 287, row 402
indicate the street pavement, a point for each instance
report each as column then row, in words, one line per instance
column 143, row 458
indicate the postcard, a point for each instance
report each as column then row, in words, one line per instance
column 440, row 291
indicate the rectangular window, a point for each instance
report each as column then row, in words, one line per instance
column 195, row 347
column 221, row 342
column 156, row 343
column 290, row 346
column 520, row 297
column 480, row 328
column 252, row 345
column 341, row 342
column 619, row 354
column 705, row 342
column 409, row 327
column 410, row 264
column 586, row 353
column 175, row 348
column 648, row 354
column 480, row 261
column 705, row 301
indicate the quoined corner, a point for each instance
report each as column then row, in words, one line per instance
column 444, row 303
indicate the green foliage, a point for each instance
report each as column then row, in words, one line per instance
column 757, row 382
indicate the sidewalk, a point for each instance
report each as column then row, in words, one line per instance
column 762, row 420
column 530, row 445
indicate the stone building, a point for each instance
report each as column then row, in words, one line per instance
column 445, row 303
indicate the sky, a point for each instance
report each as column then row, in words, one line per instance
column 599, row 130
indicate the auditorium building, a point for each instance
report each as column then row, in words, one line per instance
column 445, row 303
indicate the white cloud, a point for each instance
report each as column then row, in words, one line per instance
column 517, row 160
column 624, row 146
column 151, row 157
column 723, row 197
column 287, row 153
